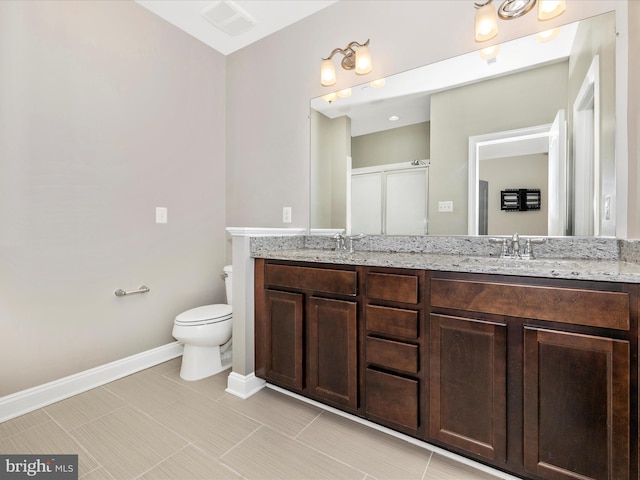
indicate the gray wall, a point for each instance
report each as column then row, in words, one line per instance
column 106, row 111
column 332, row 145
column 396, row 145
column 525, row 171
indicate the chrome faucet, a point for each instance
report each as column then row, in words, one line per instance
column 354, row 238
column 340, row 241
column 515, row 245
column 512, row 248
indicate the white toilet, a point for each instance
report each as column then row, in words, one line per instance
column 206, row 334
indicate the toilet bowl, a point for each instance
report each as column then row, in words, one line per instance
column 206, row 334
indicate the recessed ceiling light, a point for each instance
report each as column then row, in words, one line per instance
column 393, row 118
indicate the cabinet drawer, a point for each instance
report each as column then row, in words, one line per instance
column 396, row 288
column 392, row 398
column 392, row 321
column 390, row 354
column 569, row 305
column 343, row 282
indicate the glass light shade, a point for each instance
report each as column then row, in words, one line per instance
column 327, row 73
column 547, row 35
column 330, row 97
column 490, row 53
column 363, row 61
column 486, row 23
column 378, row 83
column 548, row 9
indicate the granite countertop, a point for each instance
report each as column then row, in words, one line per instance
column 575, row 269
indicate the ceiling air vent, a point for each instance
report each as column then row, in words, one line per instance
column 228, row 17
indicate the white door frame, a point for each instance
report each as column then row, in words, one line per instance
column 586, row 153
column 476, row 142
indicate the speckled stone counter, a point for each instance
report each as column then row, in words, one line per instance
column 604, row 259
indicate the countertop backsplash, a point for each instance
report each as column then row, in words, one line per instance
column 629, row 251
column 583, row 248
column 579, row 258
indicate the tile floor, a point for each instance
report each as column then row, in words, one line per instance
column 154, row 425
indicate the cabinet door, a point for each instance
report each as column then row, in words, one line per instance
column 576, row 406
column 332, row 350
column 468, row 385
column 283, row 338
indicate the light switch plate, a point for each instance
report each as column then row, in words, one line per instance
column 161, row 214
column 286, row 214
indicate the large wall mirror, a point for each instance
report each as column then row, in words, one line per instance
column 481, row 144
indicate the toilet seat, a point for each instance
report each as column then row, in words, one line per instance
column 205, row 315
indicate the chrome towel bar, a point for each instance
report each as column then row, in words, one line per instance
column 121, row 293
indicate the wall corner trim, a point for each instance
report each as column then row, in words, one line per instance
column 244, row 386
column 26, row 401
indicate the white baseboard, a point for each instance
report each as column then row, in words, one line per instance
column 26, row 401
column 414, row 441
column 244, row 386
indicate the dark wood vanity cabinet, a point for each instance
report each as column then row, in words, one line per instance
column 394, row 362
column 541, row 375
column 537, row 377
column 306, row 331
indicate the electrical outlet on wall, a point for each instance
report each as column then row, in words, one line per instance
column 286, row 214
column 446, row 207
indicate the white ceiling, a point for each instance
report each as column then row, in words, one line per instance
column 269, row 15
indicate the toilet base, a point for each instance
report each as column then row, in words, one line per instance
column 202, row 362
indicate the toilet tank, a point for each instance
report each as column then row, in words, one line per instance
column 228, row 270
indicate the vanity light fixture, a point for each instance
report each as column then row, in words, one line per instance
column 356, row 56
column 486, row 22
